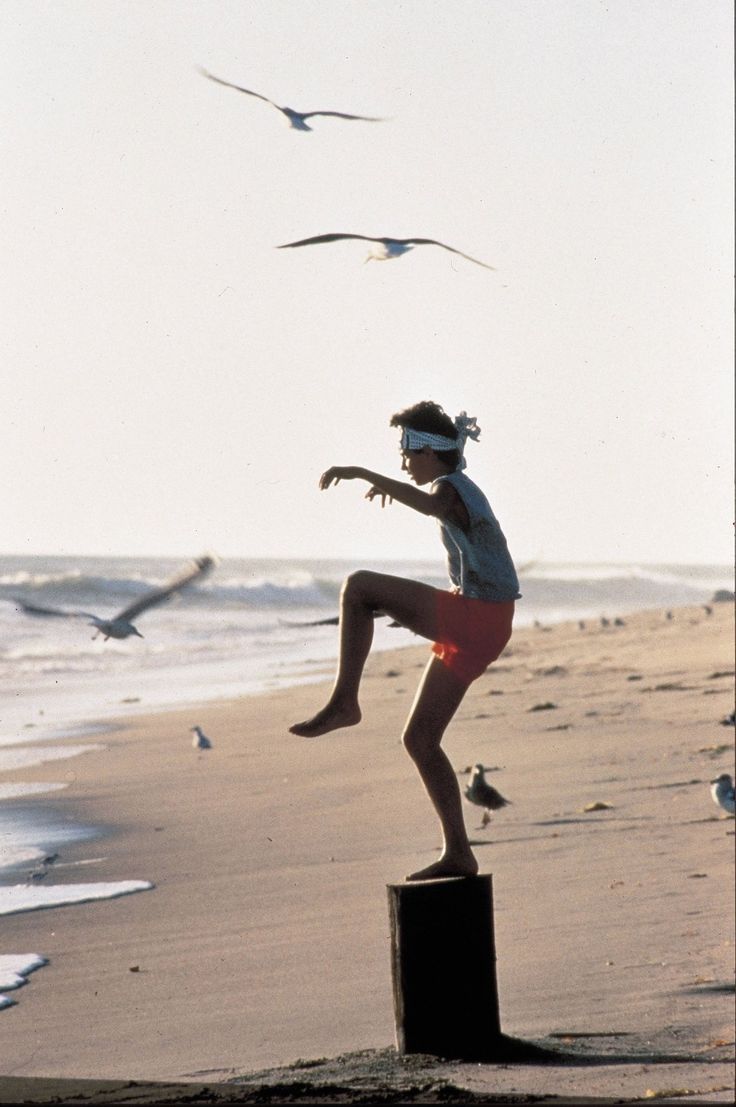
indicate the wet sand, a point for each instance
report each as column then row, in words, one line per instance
column 265, row 939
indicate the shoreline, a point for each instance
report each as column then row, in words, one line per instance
column 253, row 844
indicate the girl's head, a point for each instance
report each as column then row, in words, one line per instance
column 431, row 420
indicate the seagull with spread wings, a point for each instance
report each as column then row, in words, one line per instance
column 330, row 621
column 297, row 119
column 121, row 625
column 384, row 248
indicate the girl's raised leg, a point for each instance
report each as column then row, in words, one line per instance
column 408, row 602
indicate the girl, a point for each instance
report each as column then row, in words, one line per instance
column 469, row 625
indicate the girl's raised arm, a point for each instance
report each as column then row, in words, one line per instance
column 440, row 502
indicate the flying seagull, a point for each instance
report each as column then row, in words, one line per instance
column 121, row 626
column 722, row 791
column 385, row 248
column 200, row 741
column 482, row 794
column 297, row 119
column 330, row 621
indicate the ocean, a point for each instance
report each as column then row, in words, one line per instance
column 226, row 636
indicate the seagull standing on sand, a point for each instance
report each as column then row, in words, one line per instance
column 722, row 792
column 121, row 626
column 482, row 794
column 297, row 119
column 385, row 248
column 200, row 740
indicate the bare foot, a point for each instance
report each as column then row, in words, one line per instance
column 446, row 867
column 329, row 718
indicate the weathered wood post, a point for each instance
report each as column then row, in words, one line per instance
column 443, row 965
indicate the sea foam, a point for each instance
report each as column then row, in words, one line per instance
column 34, row 897
column 14, row 968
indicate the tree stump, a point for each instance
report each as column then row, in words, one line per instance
column 443, row 966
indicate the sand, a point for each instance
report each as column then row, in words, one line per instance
column 266, row 937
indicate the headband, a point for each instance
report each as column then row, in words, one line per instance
column 466, row 428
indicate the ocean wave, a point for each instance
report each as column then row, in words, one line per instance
column 23, row 578
column 613, row 592
column 708, row 577
column 97, row 594
column 316, row 586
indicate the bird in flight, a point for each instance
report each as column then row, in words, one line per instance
column 330, row 621
column 121, row 625
column 482, row 794
column 297, row 119
column 385, row 248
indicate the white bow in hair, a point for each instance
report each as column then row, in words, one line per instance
column 467, row 426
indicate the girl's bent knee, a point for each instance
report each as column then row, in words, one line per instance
column 418, row 743
column 356, row 585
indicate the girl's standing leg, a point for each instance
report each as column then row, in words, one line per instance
column 437, row 699
column 440, row 693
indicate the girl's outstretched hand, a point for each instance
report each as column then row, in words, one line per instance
column 336, row 473
column 373, row 492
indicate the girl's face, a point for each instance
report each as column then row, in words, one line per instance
column 420, row 465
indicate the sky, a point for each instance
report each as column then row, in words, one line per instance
column 172, row 383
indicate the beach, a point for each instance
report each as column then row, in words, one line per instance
column 263, row 939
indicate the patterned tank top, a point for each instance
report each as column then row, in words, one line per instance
column 478, row 560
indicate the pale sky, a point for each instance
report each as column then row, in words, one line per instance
column 173, row 383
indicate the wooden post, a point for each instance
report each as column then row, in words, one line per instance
column 443, row 964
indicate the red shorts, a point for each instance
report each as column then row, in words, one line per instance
column 470, row 633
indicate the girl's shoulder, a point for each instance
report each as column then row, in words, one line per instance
column 457, row 509
column 472, row 495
